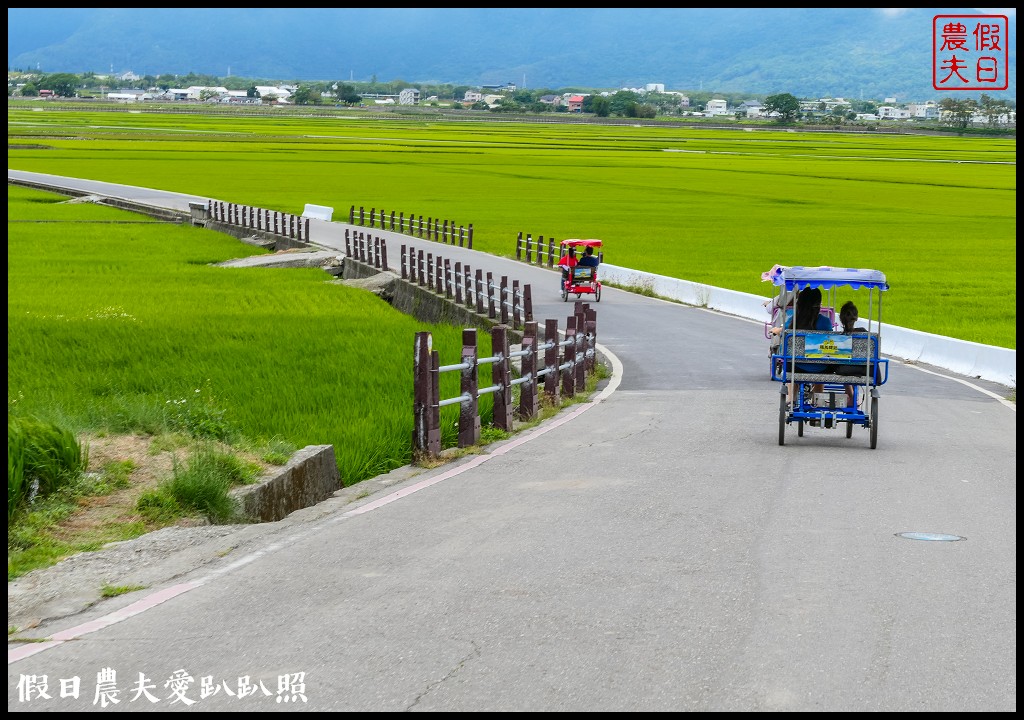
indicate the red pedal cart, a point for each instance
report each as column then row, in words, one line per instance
column 580, row 279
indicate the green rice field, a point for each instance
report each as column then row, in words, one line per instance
column 120, row 324
column 719, row 207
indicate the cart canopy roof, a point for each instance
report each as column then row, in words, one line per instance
column 798, row 277
column 581, row 243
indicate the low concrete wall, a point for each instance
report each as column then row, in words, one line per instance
column 424, row 304
column 310, row 476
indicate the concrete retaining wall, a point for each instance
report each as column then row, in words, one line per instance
column 310, row 476
column 424, row 304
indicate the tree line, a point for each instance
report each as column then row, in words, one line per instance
column 957, row 112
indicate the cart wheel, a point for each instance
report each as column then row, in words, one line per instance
column 782, row 418
column 800, row 428
column 597, row 294
column 849, row 429
column 874, row 423
column 565, row 294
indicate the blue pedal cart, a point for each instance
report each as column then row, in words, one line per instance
column 830, row 379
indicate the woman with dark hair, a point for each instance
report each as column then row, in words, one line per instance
column 849, row 316
column 808, row 317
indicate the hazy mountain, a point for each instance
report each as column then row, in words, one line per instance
column 817, row 52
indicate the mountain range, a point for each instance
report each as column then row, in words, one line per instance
column 856, row 53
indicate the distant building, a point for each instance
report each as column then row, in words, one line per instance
column 409, row 96
column 716, row 106
column 576, row 103
column 654, row 87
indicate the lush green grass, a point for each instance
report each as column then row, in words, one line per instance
column 936, row 214
column 129, row 328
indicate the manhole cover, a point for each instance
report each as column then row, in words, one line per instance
column 934, row 537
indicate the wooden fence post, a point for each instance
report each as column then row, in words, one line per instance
column 581, row 351
column 438, row 276
column 519, row 246
column 469, row 411
column 569, row 375
column 591, row 328
column 527, row 303
column 516, row 306
column 405, row 270
column 420, row 272
column 470, row 239
column 501, row 375
column 529, row 405
column 426, row 439
column 458, row 283
column 479, row 294
column 551, row 360
column 551, row 252
column 490, row 297
column 447, row 278
column 384, row 254
column 503, row 299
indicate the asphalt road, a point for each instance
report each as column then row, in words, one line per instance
column 655, row 549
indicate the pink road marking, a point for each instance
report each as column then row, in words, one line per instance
column 154, row 599
column 477, row 460
column 151, row 600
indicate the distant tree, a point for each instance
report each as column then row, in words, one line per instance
column 600, row 105
column 957, row 113
column 785, row 104
column 347, row 94
column 306, row 95
column 863, row 106
column 624, row 102
column 252, row 92
column 646, row 111
column 30, row 90
column 993, row 109
column 62, row 84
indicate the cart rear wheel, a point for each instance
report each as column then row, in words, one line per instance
column 874, row 423
column 782, row 418
column 565, row 294
column 597, row 294
column 800, row 428
column 849, row 429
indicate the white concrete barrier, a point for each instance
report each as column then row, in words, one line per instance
column 318, row 212
column 986, row 362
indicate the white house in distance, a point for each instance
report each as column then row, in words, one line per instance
column 888, row 112
column 409, row 96
column 716, row 106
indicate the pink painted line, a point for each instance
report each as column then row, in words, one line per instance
column 154, row 599
column 477, row 460
column 58, row 638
